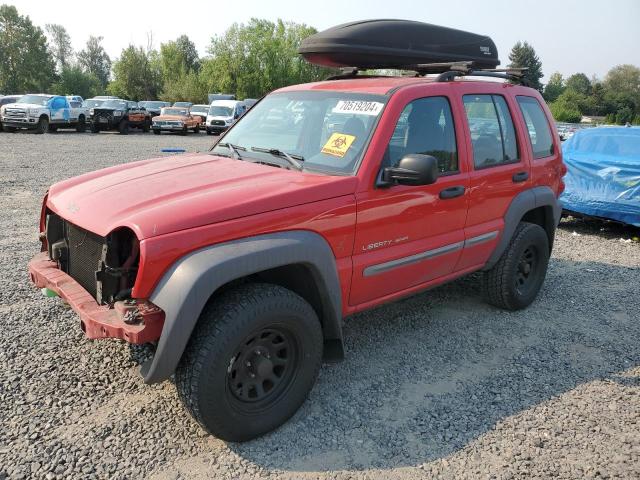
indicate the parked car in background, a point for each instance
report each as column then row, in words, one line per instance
column 154, row 106
column 249, row 102
column 106, row 97
column 75, row 98
column 121, row 115
column 603, row 178
column 93, row 102
column 201, row 111
column 183, row 104
column 7, row 99
column 222, row 114
column 42, row 113
column 176, row 119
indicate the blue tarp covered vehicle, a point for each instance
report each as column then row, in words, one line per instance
column 603, row 178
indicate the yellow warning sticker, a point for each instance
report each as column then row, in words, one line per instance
column 338, row 144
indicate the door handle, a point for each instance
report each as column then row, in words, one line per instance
column 520, row 177
column 452, row 192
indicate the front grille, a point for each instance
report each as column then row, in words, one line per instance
column 104, row 115
column 85, row 256
column 15, row 113
column 217, row 122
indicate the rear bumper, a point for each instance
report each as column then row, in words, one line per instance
column 98, row 321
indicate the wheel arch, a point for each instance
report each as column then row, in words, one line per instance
column 537, row 205
column 299, row 260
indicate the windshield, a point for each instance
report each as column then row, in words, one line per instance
column 152, row 104
column 174, row 111
column 92, row 103
column 35, row 99
column 328, row 130
column 120, row 104
column 218, row 111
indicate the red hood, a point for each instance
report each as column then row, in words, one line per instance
column 163, row 195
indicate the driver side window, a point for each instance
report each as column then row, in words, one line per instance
column 425, row 126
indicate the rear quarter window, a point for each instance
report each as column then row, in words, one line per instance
column 537, row 127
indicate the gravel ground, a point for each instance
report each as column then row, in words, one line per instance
column 438, row 385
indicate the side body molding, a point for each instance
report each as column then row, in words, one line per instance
column 520, row 205
column 185, row 288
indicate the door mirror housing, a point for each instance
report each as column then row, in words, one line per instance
column 413, row 169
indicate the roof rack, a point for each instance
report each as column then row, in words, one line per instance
column 447, row 72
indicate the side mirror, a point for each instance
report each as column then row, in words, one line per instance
column 413, row 169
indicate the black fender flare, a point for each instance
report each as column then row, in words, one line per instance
column 522, row 203
column 186, row 287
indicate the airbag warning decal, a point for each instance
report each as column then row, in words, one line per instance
column 338, row 144
column 358, row 107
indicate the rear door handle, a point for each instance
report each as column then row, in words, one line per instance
column 452, row 192
column 520, row 177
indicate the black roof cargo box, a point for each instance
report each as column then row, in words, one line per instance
column 396, row 44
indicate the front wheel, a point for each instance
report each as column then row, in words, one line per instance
column 514, row 282
column 43, row 125
column 123, row 127
column 251, row 361
column 146, row 126
column 157, row 132
column 81, row 127
column 196, row 129
column 95, row 128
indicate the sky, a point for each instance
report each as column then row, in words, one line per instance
column 569, row 36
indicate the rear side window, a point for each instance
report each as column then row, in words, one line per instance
column 537, row 127
column 493, row 136
column 425, row 126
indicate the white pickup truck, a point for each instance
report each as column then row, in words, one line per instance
column 44, row 113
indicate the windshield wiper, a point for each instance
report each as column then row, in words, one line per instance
column 292, row 159
column 234, row 149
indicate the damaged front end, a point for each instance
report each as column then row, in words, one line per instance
column 96, row 275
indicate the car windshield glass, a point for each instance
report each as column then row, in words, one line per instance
column 329, row 130
column 174, row 111
column 218, row 111
column 152, row 104
column 35, row 99
column 114, row 104
column 92, row 103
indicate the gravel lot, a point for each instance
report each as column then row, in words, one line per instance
column 438, row 385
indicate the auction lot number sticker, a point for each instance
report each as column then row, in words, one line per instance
column 358, row 107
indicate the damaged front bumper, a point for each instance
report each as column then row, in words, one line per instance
column 135, row 321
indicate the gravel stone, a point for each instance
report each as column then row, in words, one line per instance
column 439, row 385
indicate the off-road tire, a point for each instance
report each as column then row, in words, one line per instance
column 212, row 362
column 510, row 284
column 95, row 128
column 123, row 127
column 42, row 126
column 81, row 126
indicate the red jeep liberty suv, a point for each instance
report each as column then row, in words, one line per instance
column 325, row 199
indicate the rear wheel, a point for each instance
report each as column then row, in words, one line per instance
column 184, row 130
column 514, row 282
column 42, row 126
column 123, row 127
column 251, row 361
column 81, row 127
column 146, row 126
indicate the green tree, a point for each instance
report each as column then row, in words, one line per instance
column 255, row 58
column 60, row 45
column 623, row 79
column 25, row 61
column 579, row 82
column 523, row 55
column 189, row 53
column 565, row 113
column 94, row 60
column 135, row 75
column 554, row 88
column 75, row 81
